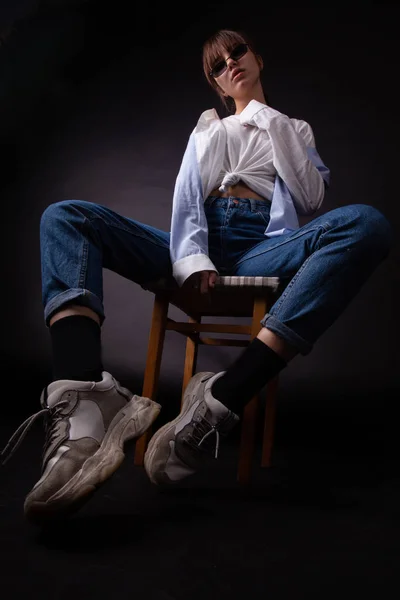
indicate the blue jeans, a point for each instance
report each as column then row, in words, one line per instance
column 322, row 264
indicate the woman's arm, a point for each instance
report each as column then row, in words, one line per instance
column 293, row 164
column 189, row 228
column 292, row 145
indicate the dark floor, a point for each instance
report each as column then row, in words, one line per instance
column 322, row 522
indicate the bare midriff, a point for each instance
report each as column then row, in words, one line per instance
column 240, row 190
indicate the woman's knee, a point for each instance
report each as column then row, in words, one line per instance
column 60, row 211
column 371, row 227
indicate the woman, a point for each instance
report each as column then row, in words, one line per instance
column 243, row 181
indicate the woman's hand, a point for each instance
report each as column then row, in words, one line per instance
column 202, row 280
column 207, row 281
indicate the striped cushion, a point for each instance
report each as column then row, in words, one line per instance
column 235, row 281
column 221, row 282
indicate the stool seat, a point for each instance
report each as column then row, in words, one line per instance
column 220, row 301
column 232, row 297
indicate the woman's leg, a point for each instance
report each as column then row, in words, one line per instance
column 324, row 264
column 78, row 240
column 90, row 415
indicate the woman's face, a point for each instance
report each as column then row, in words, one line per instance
column 241, row 74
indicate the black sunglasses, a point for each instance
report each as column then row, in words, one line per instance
column 220, row 67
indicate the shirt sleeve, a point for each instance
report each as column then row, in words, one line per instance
column 189, row 227
column 292, row 163
column 291, row 146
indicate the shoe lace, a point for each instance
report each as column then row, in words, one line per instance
column 201, row 431
column 52, row 417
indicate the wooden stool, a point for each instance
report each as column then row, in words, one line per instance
column 231, row 297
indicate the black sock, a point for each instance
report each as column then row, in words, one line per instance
column 76, row 343
column 257, row 365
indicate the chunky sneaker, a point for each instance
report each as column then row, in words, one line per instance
column 86, row 427
column 181, row 447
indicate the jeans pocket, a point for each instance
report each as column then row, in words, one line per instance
column 264, row 217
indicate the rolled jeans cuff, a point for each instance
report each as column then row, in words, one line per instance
column 79, row 296
column 272, row 323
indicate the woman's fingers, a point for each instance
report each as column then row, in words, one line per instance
column 212, row 278
column 204, row 282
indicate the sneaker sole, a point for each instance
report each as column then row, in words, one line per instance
column 169, row 427
column 128, row 423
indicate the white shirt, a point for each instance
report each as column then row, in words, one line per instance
column 299, row 183
column 248, row 158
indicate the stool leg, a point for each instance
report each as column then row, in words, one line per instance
column 190, row 357
column 269, row 422
column 153, row 364
column 250, row 413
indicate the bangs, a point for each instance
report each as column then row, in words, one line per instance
column 214, row 48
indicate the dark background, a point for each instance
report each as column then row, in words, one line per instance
column 97, row 100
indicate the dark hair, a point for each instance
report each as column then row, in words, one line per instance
column 224, row 39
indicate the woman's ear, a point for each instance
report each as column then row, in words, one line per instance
column 260, row 62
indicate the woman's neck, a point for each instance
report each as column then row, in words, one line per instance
column 256, row 93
